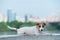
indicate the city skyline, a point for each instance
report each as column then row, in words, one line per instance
column 37, row 8
column 11, row 16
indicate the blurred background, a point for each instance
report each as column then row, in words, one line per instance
column 22, row 13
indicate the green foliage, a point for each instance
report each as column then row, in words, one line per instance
column 53, row 26
column 3, row 27
column 29, row 24
column 49, row 27
column 16, row 24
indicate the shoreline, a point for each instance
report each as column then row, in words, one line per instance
column 6, row 36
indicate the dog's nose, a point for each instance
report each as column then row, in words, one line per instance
column 41, row 29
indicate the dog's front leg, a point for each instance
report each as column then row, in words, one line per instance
column 36, row 33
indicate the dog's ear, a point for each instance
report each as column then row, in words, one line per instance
column 37, row 23
column 44, row 24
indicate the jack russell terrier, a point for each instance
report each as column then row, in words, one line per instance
column 38, row 28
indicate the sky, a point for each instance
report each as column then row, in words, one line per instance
column 39, row 8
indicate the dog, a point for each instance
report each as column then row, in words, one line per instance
column 38, row 28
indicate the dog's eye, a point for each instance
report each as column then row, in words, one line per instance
column 43, row 26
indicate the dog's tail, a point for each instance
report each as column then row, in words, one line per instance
column 12, row 28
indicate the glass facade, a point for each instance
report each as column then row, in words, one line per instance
column 11, row 16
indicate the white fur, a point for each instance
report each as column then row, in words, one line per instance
column 41, row 28
column 27, row 30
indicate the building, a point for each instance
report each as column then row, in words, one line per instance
column 11, row 16
column 34, row 19
column 26, row 18
column 53, row 18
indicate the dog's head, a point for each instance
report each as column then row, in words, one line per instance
column 40, row 26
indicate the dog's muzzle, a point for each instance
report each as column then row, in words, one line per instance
column 41, row 30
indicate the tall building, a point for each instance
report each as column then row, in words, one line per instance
column 26, row 18
column 11, row 15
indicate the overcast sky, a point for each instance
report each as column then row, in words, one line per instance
column 40, row 8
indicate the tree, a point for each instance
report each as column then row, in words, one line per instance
column 14, row 24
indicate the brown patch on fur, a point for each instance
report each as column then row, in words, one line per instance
column 38, row 25
column 43, row 24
